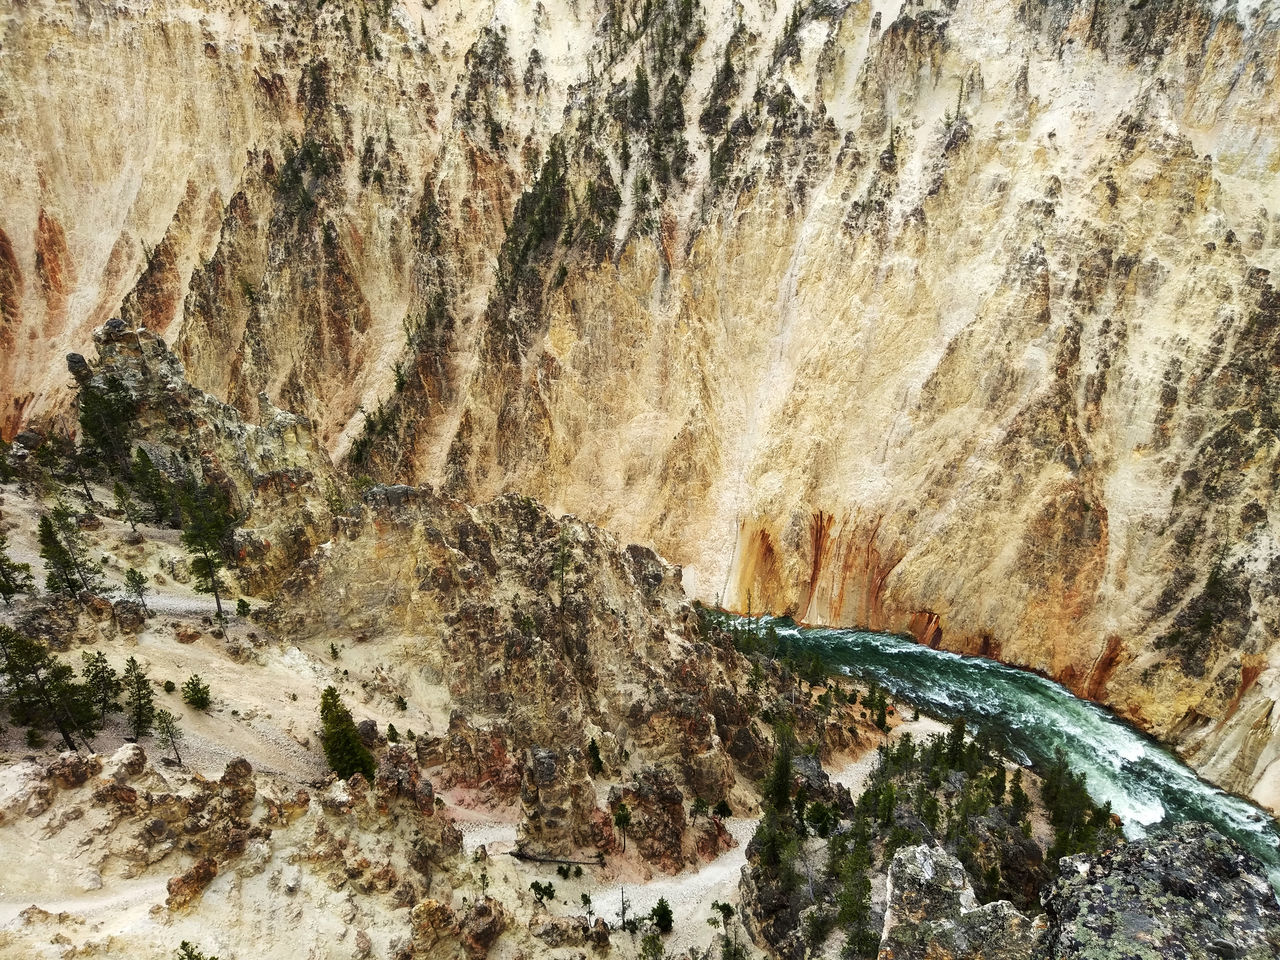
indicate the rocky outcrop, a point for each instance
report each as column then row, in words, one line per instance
column 932, row 912
column 554, row 631
column 1189, row 892
column 557, row 801
column 276, row 474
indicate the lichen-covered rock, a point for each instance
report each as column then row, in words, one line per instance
column 1187, row 892
column 931, row 912
column 74, row 769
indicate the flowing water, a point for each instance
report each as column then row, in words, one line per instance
column 1032, row 717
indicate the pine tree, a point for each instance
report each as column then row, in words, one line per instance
column 41, row 690
column 151, row 485
column 60, row 571
column 209, row 523
column 106, row 422
column 168, row 732
column 135, row 585
column 195, row 692
column 15, row 577
column 126, row 505
column 75, row 548
column 622, row 820
column 103, row 682
column 139, row 699
column 342, row 747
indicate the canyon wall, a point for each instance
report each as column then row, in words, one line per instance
column 953, row 318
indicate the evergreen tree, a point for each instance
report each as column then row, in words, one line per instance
column 15, row 577
column 168, row 732
column 195, row 692
column 209, row 523
column 75, row 548
column 60, row 571
column 106, row 422
column 640, row 97
column 342, row 747
column 622, row 820
column 151, row 485
column 126, row 505
column 103, row 682
column 136, row 587
column 139, row 699
column 41, row 690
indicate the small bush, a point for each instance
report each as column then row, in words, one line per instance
column 242, row 607
column 170, row 686
column 195, row 692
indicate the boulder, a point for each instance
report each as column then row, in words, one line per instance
column 73, row 769
column 931, row 912
column 481, row 926
column 130, row 616
column 1188, row 892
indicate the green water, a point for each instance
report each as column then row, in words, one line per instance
column 1032, row 717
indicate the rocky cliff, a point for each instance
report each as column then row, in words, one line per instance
column 956, row 318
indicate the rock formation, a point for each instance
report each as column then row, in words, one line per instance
column 944, row 317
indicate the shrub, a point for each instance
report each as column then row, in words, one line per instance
column 170, row 686
column 195, row 692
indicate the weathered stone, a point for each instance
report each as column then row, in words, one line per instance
column 1187, row 892
column 185, row 888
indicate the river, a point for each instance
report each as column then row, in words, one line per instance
column 1032, row 717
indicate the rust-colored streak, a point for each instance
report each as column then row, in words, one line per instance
column 10, row 292
column 53, row 267
column 819, row 541
column 1096, row 686
column 1250, row 670
column 759, row 571
column 926, row 627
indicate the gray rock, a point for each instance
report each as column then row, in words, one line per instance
column 932, row 912
column 1189, row 892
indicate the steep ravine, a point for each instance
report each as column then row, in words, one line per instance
column 957, row 319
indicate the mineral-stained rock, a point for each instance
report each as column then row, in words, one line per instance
column 557, row 800
column 1187, row 892
column 559, row 931
column 481, row 926
column 130, row 616
column 185, row 888
column 73, row 769
column 399, row 776
column 657, row 817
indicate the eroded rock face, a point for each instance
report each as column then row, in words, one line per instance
column 554, row 631
column 1189, row 892
column 914, row 328
column 275, row 473
column 557, row 800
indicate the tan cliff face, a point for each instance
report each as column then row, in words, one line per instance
column 962, row 320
